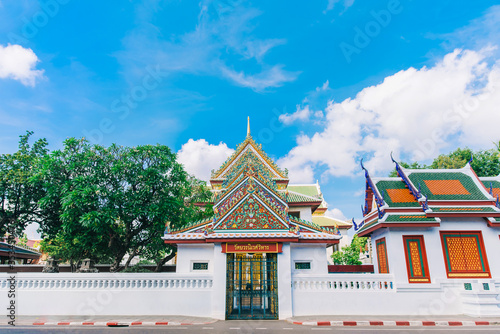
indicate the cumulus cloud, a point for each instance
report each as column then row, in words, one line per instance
column 416, row 113
column 199, row 157
column 302, row 114
column 19, row 63
column 335, row 213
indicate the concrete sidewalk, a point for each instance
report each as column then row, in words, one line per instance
column 160, row 320
column 338, row 320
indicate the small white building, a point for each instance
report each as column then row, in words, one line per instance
column 437, row 227
column 262, row 233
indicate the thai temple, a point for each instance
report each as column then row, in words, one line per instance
column 434, row 227
column 263, row 229
column 264, row 254
column 434, row 236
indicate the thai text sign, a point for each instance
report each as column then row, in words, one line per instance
column 251, row 248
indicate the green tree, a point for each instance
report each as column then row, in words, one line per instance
column 197, row 193
column 18, row 195
column 69, row 179
column 414, row 165
column 350, row 254
column 114, row 201
column 484, row 163
column 23, row 241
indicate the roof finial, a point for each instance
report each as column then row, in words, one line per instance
column 393, row 159
column 248, row 127
column 471, row 158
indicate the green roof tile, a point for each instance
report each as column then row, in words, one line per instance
column 463, row 209
column 409, row 218
column 294, row 197
column 383, row 186
column 419, row 178
column 487, row 184
column 308, row 190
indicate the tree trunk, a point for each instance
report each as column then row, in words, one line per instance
column 130, row 259
column 167, row 258
column 115, row 267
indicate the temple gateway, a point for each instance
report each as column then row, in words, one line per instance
column 262, row 232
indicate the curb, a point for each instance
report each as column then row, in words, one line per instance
column 395, row 323
column 116, row 323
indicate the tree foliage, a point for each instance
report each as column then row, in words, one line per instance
column 106, row 202
column 350, row 254
column 18, row 195
column 484, row 162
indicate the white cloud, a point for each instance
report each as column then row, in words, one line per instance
column 346, row 3
column 19, row 64
column 199, row 157
column 273, row 77
column 221, row 29
column 324, row 87
column 417, row 113
column 302, row 114
column 478, row 33
column 335, row 213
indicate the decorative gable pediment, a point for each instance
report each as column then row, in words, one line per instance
column 248, row 150
column 251, row 205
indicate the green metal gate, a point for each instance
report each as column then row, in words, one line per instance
column 252, row 286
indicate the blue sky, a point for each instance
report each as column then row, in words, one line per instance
column 325, row 83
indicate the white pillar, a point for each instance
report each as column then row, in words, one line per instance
column 285, row 283
column 219, row 284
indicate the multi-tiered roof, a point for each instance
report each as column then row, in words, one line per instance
column 251, row 201
column 421, row 197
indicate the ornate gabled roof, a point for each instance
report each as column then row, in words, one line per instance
column 249, row 144
column 420, row 196
column 248, row 202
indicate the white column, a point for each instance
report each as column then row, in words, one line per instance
column 285, row 283
column 219, row 284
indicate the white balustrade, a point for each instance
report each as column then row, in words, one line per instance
column 111, row 281
column 344, row 282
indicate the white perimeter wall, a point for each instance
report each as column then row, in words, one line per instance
column 110, row 294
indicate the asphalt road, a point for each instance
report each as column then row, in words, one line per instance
column 245, row 327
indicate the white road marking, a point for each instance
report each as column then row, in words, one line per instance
column 208, row 328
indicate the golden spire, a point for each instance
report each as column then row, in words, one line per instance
column 248, row 127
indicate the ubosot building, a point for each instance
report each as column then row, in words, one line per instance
column 263, row 230
column 435, row 228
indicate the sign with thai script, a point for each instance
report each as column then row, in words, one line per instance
column 250, row 247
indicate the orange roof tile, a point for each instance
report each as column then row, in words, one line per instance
column 400, row 195
column 496, row 192
column 446, row 187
